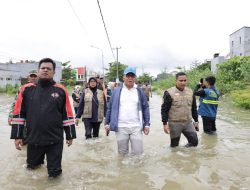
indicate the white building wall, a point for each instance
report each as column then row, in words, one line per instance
column 9, row 78
column 240, row 42
column 16, row 71
column 215, row 61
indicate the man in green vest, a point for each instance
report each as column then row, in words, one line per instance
column 177, row 111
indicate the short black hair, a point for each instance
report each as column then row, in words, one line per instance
column 47, row 60
column 211, row 80
column 180, row 74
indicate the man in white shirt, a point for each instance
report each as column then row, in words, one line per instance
column 128, row 114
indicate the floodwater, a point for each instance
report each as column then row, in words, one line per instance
column 219, row 162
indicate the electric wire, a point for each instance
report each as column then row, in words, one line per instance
column 78, row 18
column 105, row 29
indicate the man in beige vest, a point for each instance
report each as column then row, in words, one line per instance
column 177, row 111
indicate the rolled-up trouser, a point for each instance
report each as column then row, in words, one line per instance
column 188, row 131
column 132, row 134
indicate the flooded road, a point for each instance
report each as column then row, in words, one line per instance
column 219, row 162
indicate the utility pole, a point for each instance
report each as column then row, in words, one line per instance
column 117, row 75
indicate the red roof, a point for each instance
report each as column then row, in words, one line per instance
column 80, row 70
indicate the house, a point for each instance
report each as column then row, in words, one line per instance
column 80, row 74
column 239, row 46
column 240, row 42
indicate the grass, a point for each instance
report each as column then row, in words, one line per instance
column 241, row 97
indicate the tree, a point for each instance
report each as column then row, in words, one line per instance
column 111, row 73
column 145, row 78
column 68, row 74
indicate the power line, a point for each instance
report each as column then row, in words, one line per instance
column 105, row 29
column 77, row 17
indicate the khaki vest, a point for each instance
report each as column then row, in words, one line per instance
column 75, row 104
column 181, row 108
column 146, row 90
column 87, row 112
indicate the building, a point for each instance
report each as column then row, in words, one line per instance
column 217, row 59
column 240, row 42
column 12, row 73
column 239, row 46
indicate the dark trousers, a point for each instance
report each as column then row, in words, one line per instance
column 188, row 131
column 36, row 154
column 91, row 129
column 75, row 108
column 209, row 124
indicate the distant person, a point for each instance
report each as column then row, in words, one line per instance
column 46, row 111
column 146, row 87
column 76, row 95
column 31, row 78
column 92, row 107
column 209, row 99
column 101, row 85
column 177, row 111
column 128, row 114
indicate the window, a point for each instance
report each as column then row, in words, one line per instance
column 240, row 40
column 232, row 43
column 8, row 78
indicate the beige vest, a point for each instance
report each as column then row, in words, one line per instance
column 75, row 104
column 87, row 112
column 181, row 108
column 146, row 90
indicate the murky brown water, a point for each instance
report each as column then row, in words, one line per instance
column 219, row 162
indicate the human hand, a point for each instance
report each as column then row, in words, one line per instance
column 146, row 130
column 69, row 142
column 18, row 143
column 9, row 121
column 107, row 129
column 166, row 128
column 196, row 125
column 77, row 122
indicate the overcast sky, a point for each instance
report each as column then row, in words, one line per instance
column 152, row 34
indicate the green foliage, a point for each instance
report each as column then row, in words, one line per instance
column 9, row 89
column 196, row 74
column 233, row 74
column 111, row 73
column 164, row 84
column 245, row 68
column 204, row 66
column 68, row 74
column 144, row 78
column 242, row 97
column 193, row 75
